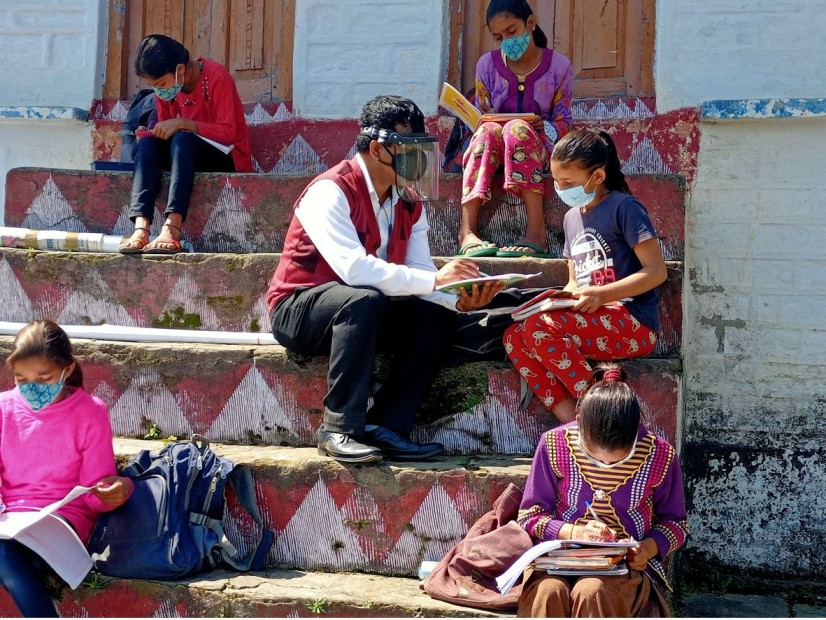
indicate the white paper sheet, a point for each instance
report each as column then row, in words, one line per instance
column 51, row 538
column 506, row 580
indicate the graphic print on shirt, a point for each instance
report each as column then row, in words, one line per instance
column 593, row 264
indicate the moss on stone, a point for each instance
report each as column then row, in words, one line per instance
column 453, row 391
column 255, row 326
column 178, row 319
column 225, row 301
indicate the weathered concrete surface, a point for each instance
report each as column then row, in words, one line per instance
column 251, row 212
column 754, row 352
column 647, row 142
column 279, row 593
column 734, row 606
column 256, row 395
column 224, row 292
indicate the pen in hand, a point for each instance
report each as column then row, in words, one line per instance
column 593, row 512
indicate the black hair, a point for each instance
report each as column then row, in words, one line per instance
column 609, row 411
column 592, row 150
column 386, row 112
column 520, row 9
column 46, row 339
column 158, row 55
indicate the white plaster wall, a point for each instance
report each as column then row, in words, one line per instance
column 739, row 49
column 51, row 144
column 755, row 345
column 348, row 52
column 52, row 55
column 52, row 52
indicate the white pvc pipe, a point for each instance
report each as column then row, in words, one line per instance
column 151, row 334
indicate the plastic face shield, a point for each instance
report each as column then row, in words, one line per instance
column 415, row 161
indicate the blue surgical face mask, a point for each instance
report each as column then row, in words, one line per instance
column 168, row 94
column 576, row 197
column 515, row 47
column 41, row 395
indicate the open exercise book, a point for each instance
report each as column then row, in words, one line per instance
column 507, row 278
column 552, row 299
column 548, row 556
column 456, row 103
column 224, row 148
column 51, row 538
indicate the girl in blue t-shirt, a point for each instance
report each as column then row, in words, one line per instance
column 614, row 268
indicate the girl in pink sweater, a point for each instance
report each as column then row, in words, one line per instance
column 53, row 437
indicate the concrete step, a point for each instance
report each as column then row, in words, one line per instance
column 224, row 292
column 256, row 395
column 276, row 593
column 647, row 142
column 251, row 212
column 384, row 518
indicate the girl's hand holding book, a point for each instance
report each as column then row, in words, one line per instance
column 591, row 298
column 113, row 490
column 638, row 557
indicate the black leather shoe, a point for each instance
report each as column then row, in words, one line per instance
column 394, row 446
column 343, row 447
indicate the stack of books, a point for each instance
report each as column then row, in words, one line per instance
column 582, row 559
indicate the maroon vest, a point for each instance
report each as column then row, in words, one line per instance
column 301, row 264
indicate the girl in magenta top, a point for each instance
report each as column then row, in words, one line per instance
column 53, row 437
column 604, row 477
column 522, row 76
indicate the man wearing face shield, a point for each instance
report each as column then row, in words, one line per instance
column 356, row 278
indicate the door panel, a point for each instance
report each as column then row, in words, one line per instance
column 609, row 42
column 252, row 38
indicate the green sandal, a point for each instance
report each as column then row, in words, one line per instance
column 485, row 248
column 535, row 251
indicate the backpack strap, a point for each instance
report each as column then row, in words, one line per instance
column 216, row 526
column 240, row 480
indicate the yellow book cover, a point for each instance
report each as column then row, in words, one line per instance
column 454, row 101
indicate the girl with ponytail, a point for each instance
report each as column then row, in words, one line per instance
column 521, row 76
column 614, row 268
column 604, row 477
column 53, row 437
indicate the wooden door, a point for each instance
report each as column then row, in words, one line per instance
column 252, row 38
column 609, row 42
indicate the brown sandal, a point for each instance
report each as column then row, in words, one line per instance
column 157, row 246
column 134, row 246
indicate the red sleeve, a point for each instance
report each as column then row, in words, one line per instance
column 225, row 107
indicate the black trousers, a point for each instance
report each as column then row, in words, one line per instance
column 352, row 324
column 183, row 155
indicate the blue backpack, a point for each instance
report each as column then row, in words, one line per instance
column 172, row 525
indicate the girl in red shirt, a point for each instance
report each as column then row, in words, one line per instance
column 201, row 127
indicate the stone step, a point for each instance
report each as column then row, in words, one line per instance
column 223, row 292
column 275, row 593
column 256, row 395
column 251, row 212
column 647, row 142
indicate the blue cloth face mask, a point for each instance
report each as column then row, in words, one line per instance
column 168, row 94
column 515, row 47
column 576, row 197
column 41, row 395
